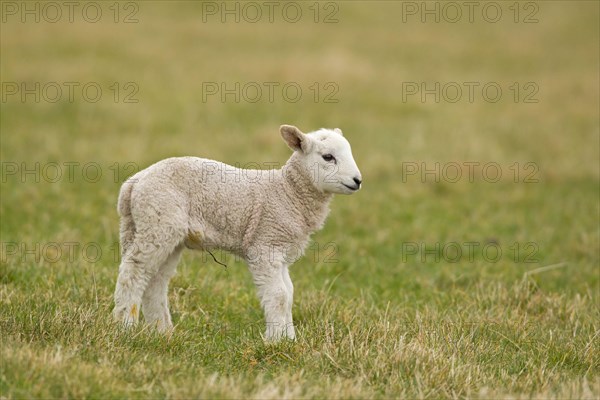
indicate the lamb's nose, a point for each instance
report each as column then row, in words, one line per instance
column 358, row 181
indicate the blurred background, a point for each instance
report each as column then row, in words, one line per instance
column 187, row 79
column 504, row 94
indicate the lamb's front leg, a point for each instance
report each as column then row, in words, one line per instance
column 289, row 321
column 276, row 300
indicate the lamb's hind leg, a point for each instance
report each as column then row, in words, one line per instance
column 140, row 263
column 155, row 302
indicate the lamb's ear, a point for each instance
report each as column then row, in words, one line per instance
column 338, row 130
column 294, row 138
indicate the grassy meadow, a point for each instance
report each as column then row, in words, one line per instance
column 466, row 267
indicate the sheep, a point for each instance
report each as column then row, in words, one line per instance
column 258, row 215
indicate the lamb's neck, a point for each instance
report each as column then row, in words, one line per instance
column 311, row 203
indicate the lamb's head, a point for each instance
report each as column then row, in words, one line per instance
column 326, row 156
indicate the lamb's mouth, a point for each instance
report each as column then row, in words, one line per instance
column 351, row 187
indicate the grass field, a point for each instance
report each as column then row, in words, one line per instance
column 425, row 284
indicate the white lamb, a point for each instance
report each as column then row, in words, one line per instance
column 258, row 215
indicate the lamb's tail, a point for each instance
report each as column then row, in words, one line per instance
column 127, row 224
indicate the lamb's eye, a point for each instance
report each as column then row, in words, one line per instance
column 328, row 157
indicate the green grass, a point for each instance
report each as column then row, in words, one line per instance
column 373, row 319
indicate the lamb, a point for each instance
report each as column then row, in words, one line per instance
column 259, row 215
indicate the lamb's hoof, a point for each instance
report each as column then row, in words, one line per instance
column 124, row 317
column 163, row 328
column 276, row 334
